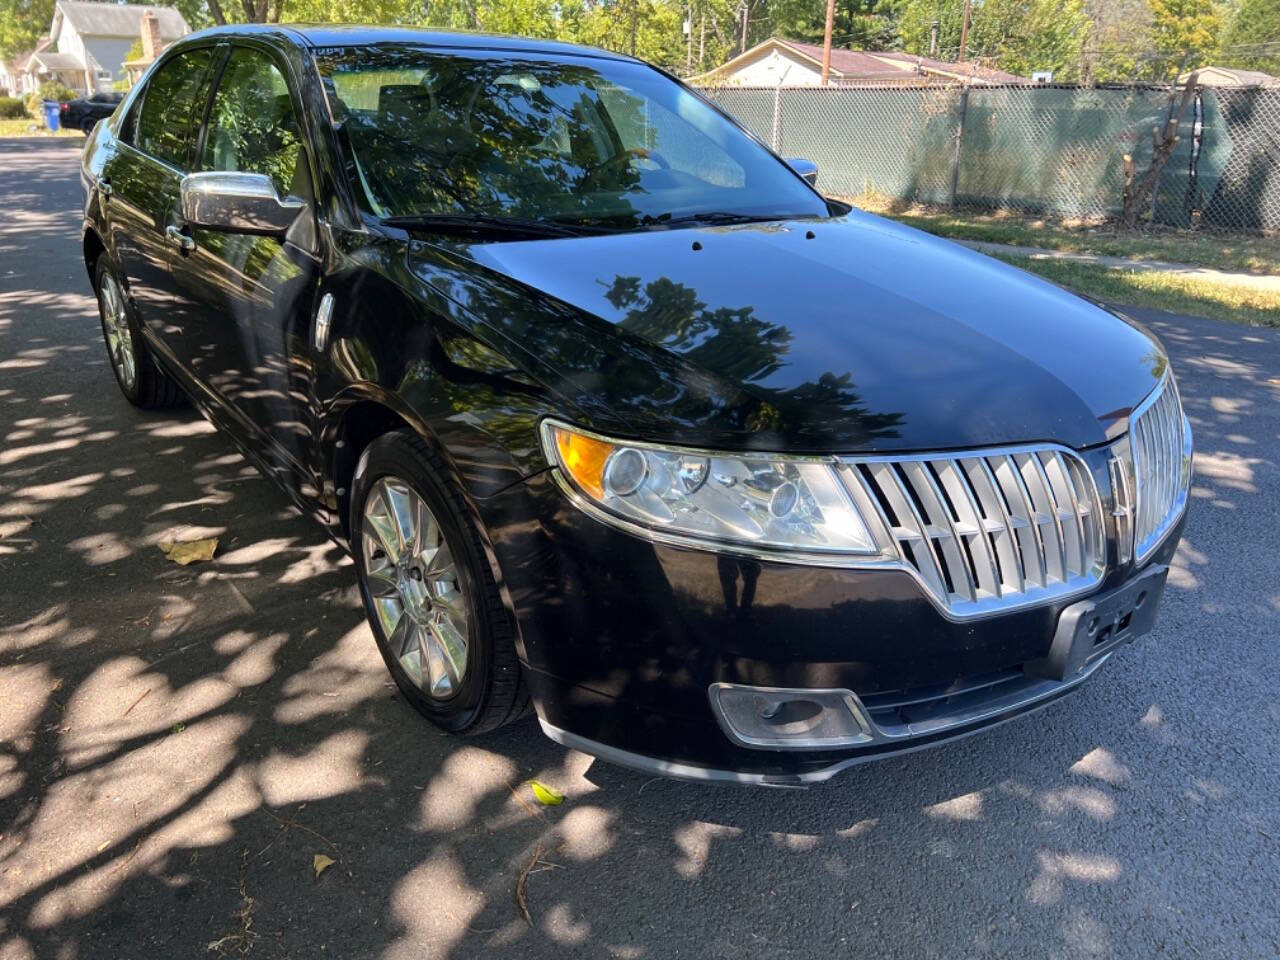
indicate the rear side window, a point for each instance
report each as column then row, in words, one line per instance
column 171, row 108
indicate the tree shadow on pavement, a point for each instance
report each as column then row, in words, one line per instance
column 180, row 743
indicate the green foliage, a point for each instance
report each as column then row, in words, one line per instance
column 1015, row 35
column 134, row 52
column 1118, row 43
column 858, row 24
column 49, row 90
column 21, row 24
column 11, row 108
column 1185, row 33
column 1252, row 38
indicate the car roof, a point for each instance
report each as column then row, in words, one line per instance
column 316, row 35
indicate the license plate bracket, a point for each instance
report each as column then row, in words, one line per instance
column 1093, row 627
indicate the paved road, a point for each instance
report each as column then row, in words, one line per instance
column 178, row 744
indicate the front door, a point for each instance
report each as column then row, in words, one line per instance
column 250, row 299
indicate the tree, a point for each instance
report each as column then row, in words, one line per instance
column 1118, row 41
column 22, row 23
column 1016, row 35
column 1252, row 37
column 858, row 24
column 1185, row 34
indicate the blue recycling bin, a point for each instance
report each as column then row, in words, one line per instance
column 51, row 110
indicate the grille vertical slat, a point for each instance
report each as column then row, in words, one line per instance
column 911, row 530
column 989, row 529
column 1069, row 510
column 1160, row 445
column 1037, row 485
column 984, row 485
column 965, row 501
column 942, row 529
column 1015, row 494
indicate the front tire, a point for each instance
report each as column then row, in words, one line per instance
column 143, row 383
column 428, row 590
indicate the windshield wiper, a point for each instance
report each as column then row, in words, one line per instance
column 484, row 223
column 712, row 218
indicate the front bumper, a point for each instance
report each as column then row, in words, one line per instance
column 622, row 638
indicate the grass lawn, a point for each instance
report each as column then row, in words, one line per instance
column 32, row 128
column 1158, row 291
column 1237, row 252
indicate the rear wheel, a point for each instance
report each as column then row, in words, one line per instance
column 141, row 381
column 428, row 591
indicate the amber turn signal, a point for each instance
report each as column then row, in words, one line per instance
column 583, row 458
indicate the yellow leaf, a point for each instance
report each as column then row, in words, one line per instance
column 546, row 795
column 190, row 551
column 320, row 863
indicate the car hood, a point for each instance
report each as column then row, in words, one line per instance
column 846, row 335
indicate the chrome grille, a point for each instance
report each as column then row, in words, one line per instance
column 1160, row 441
column 987, row 530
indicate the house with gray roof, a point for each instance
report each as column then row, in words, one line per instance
column 88, row 43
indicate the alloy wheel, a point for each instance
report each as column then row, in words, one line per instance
column 119, row 337
column 413, row 579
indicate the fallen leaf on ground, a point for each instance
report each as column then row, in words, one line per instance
column 320, row 863
column 189, row 551
column 546, row 795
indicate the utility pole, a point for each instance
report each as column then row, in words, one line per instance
column 746, row 11
column 826, row 40
column 933, row 39
column 964, row 29
column 688, row 40
column 702, row 43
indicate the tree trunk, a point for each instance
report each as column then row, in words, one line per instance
column 1137, row 195
column 215, row 11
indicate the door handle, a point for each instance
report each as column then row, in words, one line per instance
column 179, row 239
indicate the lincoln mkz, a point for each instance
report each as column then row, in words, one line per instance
column 623, row 422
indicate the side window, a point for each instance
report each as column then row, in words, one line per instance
column 252, row 127
column 171, row 105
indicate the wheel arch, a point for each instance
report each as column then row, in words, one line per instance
column 358, row 418
column 93, row 247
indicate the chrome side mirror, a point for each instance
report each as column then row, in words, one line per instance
column 807, row 169
column 237, row 203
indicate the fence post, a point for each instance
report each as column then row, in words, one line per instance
column 955, row 167
column 777, row 117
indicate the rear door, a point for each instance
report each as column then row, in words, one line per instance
column 152, row 156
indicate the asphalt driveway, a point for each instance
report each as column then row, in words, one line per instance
column 178, row 744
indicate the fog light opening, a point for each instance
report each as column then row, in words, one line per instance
column 770, row 718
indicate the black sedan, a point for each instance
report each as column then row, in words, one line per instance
column 83, row 114
column 623, row 422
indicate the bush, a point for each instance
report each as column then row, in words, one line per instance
column 50, row 90
column 11, row 108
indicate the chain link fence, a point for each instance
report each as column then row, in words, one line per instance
column 1044, row 150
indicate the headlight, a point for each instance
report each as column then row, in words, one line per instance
column 773, row 503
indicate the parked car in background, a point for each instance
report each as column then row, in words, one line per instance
column 84, row 113
column 618, row 415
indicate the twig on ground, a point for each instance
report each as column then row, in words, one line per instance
column 136, row 702
column 524, row 875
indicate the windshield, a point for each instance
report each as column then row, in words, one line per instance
column 533, row 137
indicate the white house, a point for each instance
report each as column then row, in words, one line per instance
column 789, row 63
column 89, row 42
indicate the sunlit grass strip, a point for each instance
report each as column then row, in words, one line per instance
column 1160, row 291
column 1256, row 254
column 32, row 128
